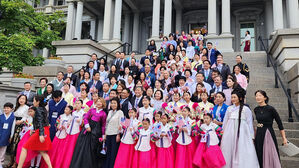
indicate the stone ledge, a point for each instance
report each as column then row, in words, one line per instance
column 292, row 77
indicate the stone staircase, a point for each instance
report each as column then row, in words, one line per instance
column 262, row 77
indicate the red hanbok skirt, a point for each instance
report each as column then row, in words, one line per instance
column 247, row 46
column 34, row 143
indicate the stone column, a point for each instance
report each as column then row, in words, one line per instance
column 212, row 17
column 167, row 17
column 100, row 30
column 78, row 27
column 127, row 28
column 70, row 20
column 117, row 20
column 135, row 32
column 269, row 18
column 226, row 17
column 156, row 19
column 178, row 20
column 45, row 53
column 92, row 31
column 293, row 13
column 107, row 15
column 277, row 14
column 51, row 3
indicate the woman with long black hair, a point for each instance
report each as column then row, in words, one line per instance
column 265, row 139
column 237, row 142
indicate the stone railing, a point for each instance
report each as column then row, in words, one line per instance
column 51, row 9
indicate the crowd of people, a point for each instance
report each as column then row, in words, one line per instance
column 185, row 109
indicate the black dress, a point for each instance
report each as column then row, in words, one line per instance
column 265, row 116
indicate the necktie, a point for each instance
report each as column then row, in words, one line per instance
column 136, row 102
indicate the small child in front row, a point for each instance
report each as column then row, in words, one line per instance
column 7, row 124
column 165, row 151
column 185, row 148
column 208, row 154
column 124, row 158
column 59, row 143
column 143, row 154
column 157, row 123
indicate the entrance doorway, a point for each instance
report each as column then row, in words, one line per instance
column 250, row 26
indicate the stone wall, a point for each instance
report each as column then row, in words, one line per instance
column 8, row 94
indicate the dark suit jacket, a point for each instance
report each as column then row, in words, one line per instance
column 98, row 65
column 225, row 71
column 139, row 104
column 73, row 78
column 115, row 62
column 30, row 98
column 213, row 55
column 209, row 80
column 98, row 85
column 125, row 107
column 211, row 99
column 144, row 57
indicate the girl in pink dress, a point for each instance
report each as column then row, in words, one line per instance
column 124, row 158
column 144, row 155
column 59, row 143
column 165, row 151
column 185, row 147
column 208, row 154
column 73, row 131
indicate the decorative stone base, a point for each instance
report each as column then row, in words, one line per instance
column 223, row 42
column 292, row 77
column 78, row 52
column 54, row 62
column 284, row 48
column 111, row 45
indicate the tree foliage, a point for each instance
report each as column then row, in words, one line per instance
column 21, row 30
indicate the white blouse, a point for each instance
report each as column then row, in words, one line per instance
column 209, row 129
column 165, row 142
column 75, row 122
column 146, row 113
column 184, row 138
column 113, row 122
column 127, row 134
column 64, row 121
column 22, row 111
column 143, row 143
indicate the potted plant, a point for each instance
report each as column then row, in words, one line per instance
column 19, row 79
column 53, row 60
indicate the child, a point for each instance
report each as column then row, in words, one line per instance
column 146, row 111
column 59, row 143
column 73, row 131
column 185, row 147
column 165, row 151
column 208, row 153
column 144, row 155
column 156, row 128
column 124, row 158
column 7, row 124
column 205, row 105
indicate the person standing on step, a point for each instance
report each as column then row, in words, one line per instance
column 244, row 67
column 265, row 138
column 247, row 41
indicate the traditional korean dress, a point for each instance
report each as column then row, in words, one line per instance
column 238, row 152
column 207, row 107
column 146, row 113
column 59, row 143
column 144, row 156
column 208, row 154
column 88, row 148
column 124, row 158
column 55, row 110
column 164, row 150
column 184, row 148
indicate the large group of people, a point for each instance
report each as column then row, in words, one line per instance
column 184, row 108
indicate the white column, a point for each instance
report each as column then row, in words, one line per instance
column 156, row 19
column 107, row 15
column 70, row 21
column 92, row 31
column 226, row 17
column 45, row 52
column 117, row 20
column 135, row 32
column 178, row 20
column 269, row 18
column 100, row 30
column 212, row 17
column 167, row 17
column 277, row 14
column 51, row 3
column 78, row 27
column 293, row 13
column 127, row 28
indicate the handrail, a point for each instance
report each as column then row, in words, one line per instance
column 109, row 53
column 287, row 91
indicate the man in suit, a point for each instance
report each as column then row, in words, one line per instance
column 112, row 94
column 125, row 102
column 244, row 67
column 115, row 61
column 217, row 88
column 70, row 74
column 105, row 91
column 147, row 55
column 58, row 82
column 150, row 78
column 212, row 53
column 136, row 100
column 94, row 59
column 28, row 93
column 223, row 68
column 95, row 85
column 207, row 72
column 122, row 64
column 90, row 69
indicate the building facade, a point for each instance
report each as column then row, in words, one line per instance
column 112, row 22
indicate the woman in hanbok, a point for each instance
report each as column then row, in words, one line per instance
column 247, row 41
column 237, row 141
column 265, row 138
column 241, row 79
column 88, row 148
column 219, row 109
column 205, row 105
column 157, row 101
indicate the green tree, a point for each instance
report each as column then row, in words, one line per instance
column 21, row 30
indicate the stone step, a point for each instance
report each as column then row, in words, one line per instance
column 291, row 133
column 289, row 162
